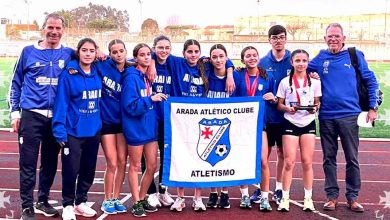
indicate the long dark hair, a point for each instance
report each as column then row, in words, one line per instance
column 200, row 64
column 81, row 43
column 295, row 52
column 262, row 72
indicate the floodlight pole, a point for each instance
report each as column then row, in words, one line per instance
column 140, row 7
column 258, row 19
column 28, row 17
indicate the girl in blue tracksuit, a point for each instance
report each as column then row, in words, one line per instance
column 113, row 141
column 217, row 83
column 190, row 80
column 140, row 127
column 76, row 126
column 161, row 84
column 254, row 81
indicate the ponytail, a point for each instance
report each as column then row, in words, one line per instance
column 202, row 72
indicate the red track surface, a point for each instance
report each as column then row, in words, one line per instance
column 375, row 171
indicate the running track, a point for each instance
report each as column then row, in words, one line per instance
column 375, row 193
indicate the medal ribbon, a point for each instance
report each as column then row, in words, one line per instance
column 251, row 89
column 296, row 84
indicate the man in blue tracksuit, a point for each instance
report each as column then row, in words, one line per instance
column 339, row 112
column 32, row 93
column 276, row 62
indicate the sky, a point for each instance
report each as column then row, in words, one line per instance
column 199, row 12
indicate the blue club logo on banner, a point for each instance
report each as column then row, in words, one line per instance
column 213, row 144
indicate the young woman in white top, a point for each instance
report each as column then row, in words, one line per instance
column 299, row 97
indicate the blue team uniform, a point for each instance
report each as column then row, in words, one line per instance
column 77, row 123
column 111, row 91
column 138, row 113
column 33, row 90
column 279, row 70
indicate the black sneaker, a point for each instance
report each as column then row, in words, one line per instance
column 213, row 199
column 28, row 214
column 138, row 210
column 278, row 194
column 46, row 209
column 224, row 202
column 147, row 207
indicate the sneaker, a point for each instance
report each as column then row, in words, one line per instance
column 198, row 205
column 284, row 205
column 108, row 207
column 224, row 202
column 147, row 206
column 264, row 205
column 178, row 205
column 277, row 196
column 256, row 196
column 46, row 209
column 245, row 203
column 308, row 205
column 119, row 207
column 138, row 210
column 84, row 210
column 153, row 200
column 165, row 199
column 28, row 214
column 68, row 213
column 213, row 199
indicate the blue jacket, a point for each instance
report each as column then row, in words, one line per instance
column 77, row 107
column 187, row 80
column 338, row 81
column 138, row 114
column 111, row 92
column 264, row 85
column 34, row 84
column 279, row 70
column 217, row 85
column 162, row 84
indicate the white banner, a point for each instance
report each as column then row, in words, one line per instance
column 213, row 142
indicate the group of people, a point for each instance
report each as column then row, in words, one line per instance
column 68, row 101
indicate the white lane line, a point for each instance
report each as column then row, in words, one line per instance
column 295, row 178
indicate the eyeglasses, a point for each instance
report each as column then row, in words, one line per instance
column 280, row 38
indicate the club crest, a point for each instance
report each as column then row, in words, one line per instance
column 214, row 143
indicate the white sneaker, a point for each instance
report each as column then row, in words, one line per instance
column 84, row 210
column 68, row 213
column 165, row 199
column 178, row 205
column 308, row 204
column 198, row 205
column 284, row 205
column 153, row 200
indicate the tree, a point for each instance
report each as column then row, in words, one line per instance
column 96, row 16
column 149, row 28
column 294, row 27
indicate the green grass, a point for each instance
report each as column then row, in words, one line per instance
column 381, row 69
column 6, row 68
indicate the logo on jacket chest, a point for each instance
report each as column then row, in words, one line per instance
column 92, row 94
column 112, row 84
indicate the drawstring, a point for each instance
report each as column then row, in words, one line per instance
column 86, row 90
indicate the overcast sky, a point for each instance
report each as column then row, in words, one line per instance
column 200, row 12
